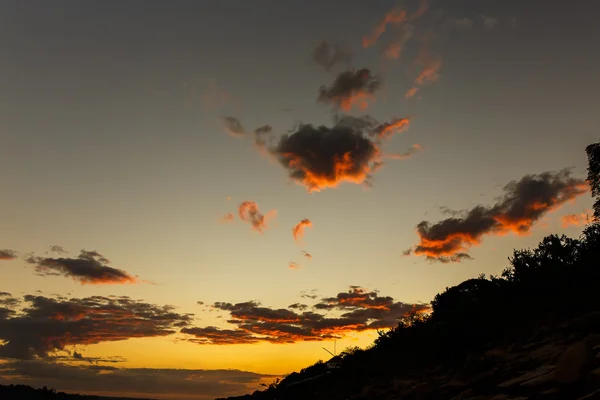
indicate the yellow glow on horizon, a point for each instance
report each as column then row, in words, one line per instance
column 267, row 358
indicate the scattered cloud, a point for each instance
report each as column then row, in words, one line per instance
column 411, row 92
column 333, row 317
column 298, row 230
column 395, row 16
column 394, row 48
column 49, row 324
column 488, row 22
column 249, row 212
column 234, row 127
column 329, row 55
column 459, row 23
column 88, row 268
column 387, row 129
column 229, row 217
column 523, row 204
column 430, row 66
column 7, row 255
column 354, row 87
column 312, row 294
column 412, row 150
column 307, row 254
column 58, row 249
column 577, row 219
column 294, row 265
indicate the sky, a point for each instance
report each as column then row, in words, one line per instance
column 196, row 197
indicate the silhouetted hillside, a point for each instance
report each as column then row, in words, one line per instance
column 532, row 332
column 552, row 291
column 23, row 392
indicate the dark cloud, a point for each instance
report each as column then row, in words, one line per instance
column 350, row 88
column 7, row 255
column 48, row 324
column 88, row 267
column 8, row 301
column 134, row 382
column 356, row 310
column 320, row 157
column 312, row 294
column 329, row 55
column 233, row 126
column 524, row 203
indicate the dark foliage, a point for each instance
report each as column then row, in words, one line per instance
column 593, row 153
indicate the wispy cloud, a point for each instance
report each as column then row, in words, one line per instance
column 234, row 127
column 329, row 55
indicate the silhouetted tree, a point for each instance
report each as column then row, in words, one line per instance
column 593, row 154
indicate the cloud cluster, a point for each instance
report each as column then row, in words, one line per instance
column 42, row 325
column 354, row 87
column 88, row 268
column 356, row 310
column 249, row 212
column 524, row 203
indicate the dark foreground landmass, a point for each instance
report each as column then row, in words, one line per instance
column 23, row 392
column 531, row 333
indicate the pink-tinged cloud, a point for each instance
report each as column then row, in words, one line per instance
column 298, row 230
column 249, row 212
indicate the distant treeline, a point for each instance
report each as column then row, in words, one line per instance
column 24, row 392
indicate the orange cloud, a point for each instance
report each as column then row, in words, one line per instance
column 524, row 203
column 415, row 148
column 392, row 17
column 411, row 92
column 358, row 310
column 298, row 230
column 576, row 219
column 387, row 130
column 248, row 212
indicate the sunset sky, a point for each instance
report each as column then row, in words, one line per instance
column 197, row 196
